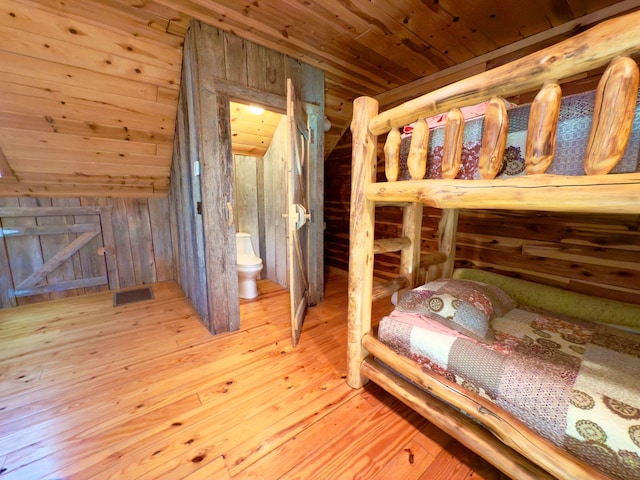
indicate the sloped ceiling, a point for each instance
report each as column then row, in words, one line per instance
column 88, row 88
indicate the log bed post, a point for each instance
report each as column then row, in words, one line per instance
column 410, row 254
column 447, row 230
column 362, row 220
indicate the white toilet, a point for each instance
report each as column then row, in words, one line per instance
column 249, row 266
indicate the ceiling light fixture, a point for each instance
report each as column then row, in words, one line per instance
column 256, row 110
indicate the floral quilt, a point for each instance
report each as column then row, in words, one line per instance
column 576, row 383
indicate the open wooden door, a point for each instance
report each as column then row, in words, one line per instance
column 298, row 213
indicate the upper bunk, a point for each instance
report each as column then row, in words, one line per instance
column 611, row 44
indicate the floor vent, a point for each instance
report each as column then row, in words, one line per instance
column 131, row 296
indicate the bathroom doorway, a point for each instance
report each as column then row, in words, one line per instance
column 273, row 197
column 259, row 171
column 219, row 67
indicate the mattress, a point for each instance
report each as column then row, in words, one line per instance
column 574, row 124
column 574, row 382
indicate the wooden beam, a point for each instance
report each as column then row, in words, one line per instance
column 410, row 255
column 465, row 430
column 22, row 231
column 383, row 290
column 15, row 188
column 51, row 211
column 618, row 193
column 216, row 179
column 60, row 286
column 386, row 245
column 273, row 101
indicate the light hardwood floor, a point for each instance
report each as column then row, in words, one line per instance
column 142, row 391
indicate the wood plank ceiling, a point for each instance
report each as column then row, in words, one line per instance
column 88, row 88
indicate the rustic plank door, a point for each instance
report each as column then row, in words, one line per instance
column 298, row 214
column 22, row 241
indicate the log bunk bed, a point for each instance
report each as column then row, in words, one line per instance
column 475, row 419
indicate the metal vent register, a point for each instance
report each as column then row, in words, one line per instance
column 131, row 296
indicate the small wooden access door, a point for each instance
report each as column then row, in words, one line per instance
column 23, row 234
column 298, row 134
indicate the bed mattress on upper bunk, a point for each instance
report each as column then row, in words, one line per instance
column 573, row 382
column 574, row 123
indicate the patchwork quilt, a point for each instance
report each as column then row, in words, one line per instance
column 573, row 382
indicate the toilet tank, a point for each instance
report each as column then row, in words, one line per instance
column 246, row 255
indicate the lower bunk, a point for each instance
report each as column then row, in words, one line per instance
column 538, row 394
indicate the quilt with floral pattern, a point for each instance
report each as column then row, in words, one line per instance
column 573, row 382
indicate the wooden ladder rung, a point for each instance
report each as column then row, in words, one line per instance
column 382, row 290
column 429, row 259
column 392, row 204
column 386, row 245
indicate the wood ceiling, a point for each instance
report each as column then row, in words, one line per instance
column 88, row 88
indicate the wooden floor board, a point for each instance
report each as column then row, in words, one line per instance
column 143, row 391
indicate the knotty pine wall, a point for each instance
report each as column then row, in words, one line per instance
column 588, row 253
column 144, row 251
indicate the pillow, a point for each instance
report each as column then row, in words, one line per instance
column 463, row 305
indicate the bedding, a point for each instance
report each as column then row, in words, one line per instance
column 574, row 382
column 574, row 123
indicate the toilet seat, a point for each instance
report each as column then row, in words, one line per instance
column 246, row 261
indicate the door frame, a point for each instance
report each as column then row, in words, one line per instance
column 278, row 103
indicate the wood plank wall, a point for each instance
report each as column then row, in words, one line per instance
column 88, row 96
column 143, row 244
column 184, row 197
column 588, row 253
column 248, row 204
column 275, row 204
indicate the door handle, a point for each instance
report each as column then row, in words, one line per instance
column 300, row 215
column 230, row 214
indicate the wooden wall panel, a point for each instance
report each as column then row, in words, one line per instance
column 162, row 244
column 81, row 85
column 52, row 244
column 142, row 238
column 185, row 195
column 587, row 253
column 140, row 228
column 247, row 209
column 275, row 226
column 24, row 253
